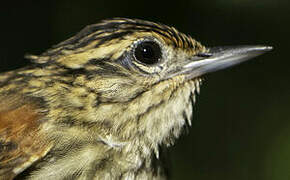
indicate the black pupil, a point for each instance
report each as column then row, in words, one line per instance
column 148, row 52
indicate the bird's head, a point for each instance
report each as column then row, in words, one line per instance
column 144, row 75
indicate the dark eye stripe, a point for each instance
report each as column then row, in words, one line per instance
column 112, row 36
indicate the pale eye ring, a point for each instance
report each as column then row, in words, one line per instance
column 148, row 52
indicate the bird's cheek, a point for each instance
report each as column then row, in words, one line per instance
column 119, row 92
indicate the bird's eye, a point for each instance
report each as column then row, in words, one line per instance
column 148, row 52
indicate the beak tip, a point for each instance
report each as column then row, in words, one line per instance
column 264, row 48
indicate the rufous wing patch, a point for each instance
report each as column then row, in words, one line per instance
column 21, row 141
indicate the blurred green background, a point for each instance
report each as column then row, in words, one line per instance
column 241, row 123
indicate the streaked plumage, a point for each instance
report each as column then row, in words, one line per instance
column 88, row 109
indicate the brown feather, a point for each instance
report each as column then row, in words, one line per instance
column 21, row 143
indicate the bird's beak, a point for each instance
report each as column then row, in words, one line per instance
column 218, row 58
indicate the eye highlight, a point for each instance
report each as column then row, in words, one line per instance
column 148, row 52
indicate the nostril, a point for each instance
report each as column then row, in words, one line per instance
column 204, row 54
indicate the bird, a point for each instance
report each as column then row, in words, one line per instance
column 105, row 103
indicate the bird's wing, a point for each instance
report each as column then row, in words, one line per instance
column 21, row 141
